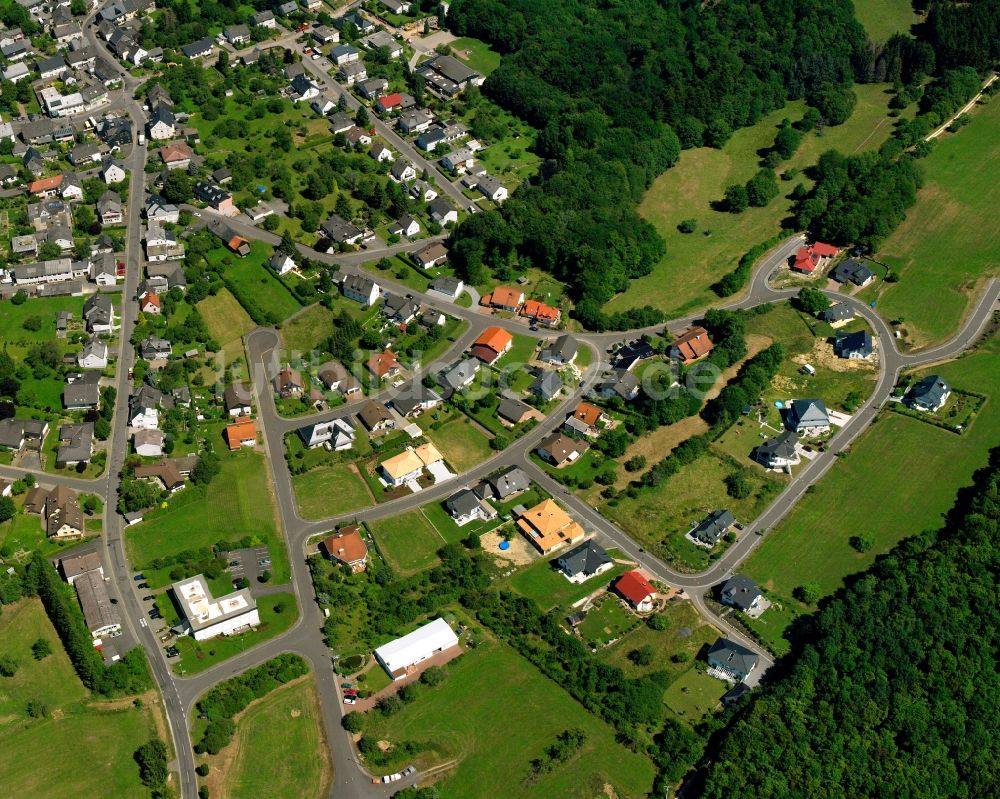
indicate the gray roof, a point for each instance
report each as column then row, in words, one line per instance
column 445, row 285
column 98, row 612
column 77, row 395
column 929, row 392
column 712, row 527
column 733, row 656
column 237, row 395
column 851, row 271
column 462, row 502
column 838, row 312
column 584, row 559
column 547, row 385
column 740, row 592
column 849, row 343
column 75, row 442
column 512, row 409
column 510, row 482
column 460, row 374
column 807, row 413
column 781, row 446
column 563, row 348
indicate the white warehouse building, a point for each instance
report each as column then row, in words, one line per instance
column 207, row 617
column 402, row 656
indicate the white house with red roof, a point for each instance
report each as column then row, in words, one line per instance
column 808, row 259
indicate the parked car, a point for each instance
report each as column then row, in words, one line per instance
column 264, row 562
column 411, row 769
column 139, row 576
column 143, row 585
column 350, row 700
column 148, row 598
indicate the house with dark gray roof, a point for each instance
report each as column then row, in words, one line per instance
column 807, row 417
column 732, row 659
column 415, row 399
column 461, row 374
column 375, row 417
column 929, row 395
column 618, row 383
column 465, row 506
column 560, row 352
column 76, row 444
column 779, row 452
column 837, row 313
column 851, row 271
column 740, row 592
column 513, row 411
column 710, row 529
column 857, row 346
column 509, row 483
column 547, row 385
column 584, row 561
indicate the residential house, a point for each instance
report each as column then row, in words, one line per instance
column 162, row 124
column 465, row 506
column 541, row 314
column 17, row 433
column 399, row 308
column 109, row 208
column 442, row 211
column 837, row 314
column 281, row 263
column 733, row 659
column 779, row 452
column 389, row 102
column 237, row 34
column 335, row 377
column 630, row 355
column 215, row 196
column 336, row 434
column 402, row 170
column 341, row 123
column 710, row 529
column 460, row 375
column 81, row 395
column 589, row 419
column 807, row 417
column 165, row 473
column 325, row 34
column 491, row 188
column 808, row 259
column 547, row 386
column 434, row 255
column 858, row 346
column 199, row 49
column 344, row 54
column 547, row 527
column 446, row 287
column 404, row 227
column 929, row 395
column 233, row 241
column 635, row 588
column 560, row 352
column 241, row 433
column 348, row 547
column 357, row 137
column 381, row 153
column 360, row 289
column 458, row 160
column 153, row 348
column 740, row 592
column 415, row 120
column 511, row 411
column 854, row 272
column 509, row 483
column 692, row 345
column 176, row 155
column 303, row 88
column 582, row 562
column 415, row 399
column 159, row 210
column 62, row 514
column 492, row 344
column 263, row 19
column 504, row 298
column 148, row 443
column 409, row 464
column 561, row 450
column 82, row 155
column 383, row 365
column 288, row 383
column 341, row 231
column 143, row 408
column 372, row 88
column 237, row 400
column 112, row 170
column 99, row 314
column 94, row 355
column 76, row 444
column 376, row 417
column 353, row 72
column 150, row 303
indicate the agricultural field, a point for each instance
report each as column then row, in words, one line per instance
column 456, row 720
column 461, row 442
column 681, row 281
column 883, row 18
column 330, row 490
column 237, row 503
column 278, row 750
column 409, row 542
column 94, row 740
column 943, row 253
column 812, row 544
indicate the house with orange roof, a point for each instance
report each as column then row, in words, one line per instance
column 45, row 187
column 410, row 464
column 384, row 365
column 635, row 589
column 548, row 527
column 541, row 313
column 492, row 344
column 586, row 420
column 505, row 298
column 241, row 433
column 348, row 547
column 691, row 346
column 808, row 259
column 150, row 303
column 176, row 155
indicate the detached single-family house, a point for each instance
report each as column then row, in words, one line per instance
column 281, row 263
column 335, row 377
column 288, row 383
column 348, row 547
column 492, row 344
column 383, row 365
column 341, row 231
column 336, row 434
column 76, row 444
column 547, row 386
column 513, row 412
column 404, row 227
column 710, row 529
column 509, row 483
column 857, row 346
column 854, row 272
column 837, row 314
column 808, row 259
column 402, row 170
column 779, row 452
column 376, row 417
column 148, row 443
column 94, row 355
column 588, row 418
column 561, row 450
column 691, row 346
column 733, row 659
column 540, row 313
column 460, row 375
column 110, row 209
column 112, row 170
column 807, row 417
column 740, row 592
column 238, row 400
column 344, row 54
column 442, row 211
column 381, row 153
column 353, row 72
column 548, row 527
column 434, row 255
column 635, row 588
column 587, row 560
column 505, row 298
column 445, row 287
column 465, row 506
column 241, row 433
column 929, row 395
column 415, row 399
column 560, row 352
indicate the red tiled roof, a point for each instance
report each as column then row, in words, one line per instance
column 493, row 339
column 504, row 296
column 693, row 344
column 382, row 363
column 178, row 151
column 347, row 545
column 391, row 100
column 824, row 250
column 238, row 432
column 539, row 310
column 149, row 298
column 634, row 587
column 588, row 414
column 45, row 184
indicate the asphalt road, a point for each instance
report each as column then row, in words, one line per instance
column 351, row 779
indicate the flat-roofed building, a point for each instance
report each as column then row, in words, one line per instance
column 207, row 617
column 402, row 656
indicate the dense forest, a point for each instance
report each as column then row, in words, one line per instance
column 895, row 690
column 617, row 90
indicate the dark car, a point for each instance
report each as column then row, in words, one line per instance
column 143, row 585
column 234, row 563
column 148, row 598
column 139, row 576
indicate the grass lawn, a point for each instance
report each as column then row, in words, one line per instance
column 694, row 694
column 199, row 655
column 660, row 517
column 329, row 490
column 883, row 18
column 409, row 542
column 279, row 749
column 237, row 503
column 811, row 544
column 458, row 720
column 227, row 322
column 680, row 282
column 24, row 533
column 477, row 54
column 95, row 741
column 943, row 251
column 461, row 442
column 522, row 351
column 607, row 621
column 16, row 338
column 310, row 327
column 252, row 276
column 439, row 518
column 545, row 583
column 687, row 633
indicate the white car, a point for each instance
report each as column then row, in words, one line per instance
column 350, row 700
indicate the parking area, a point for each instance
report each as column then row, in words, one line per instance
column 249, row 564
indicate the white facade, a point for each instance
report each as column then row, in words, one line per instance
column 207, row 617
column 402, row 656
